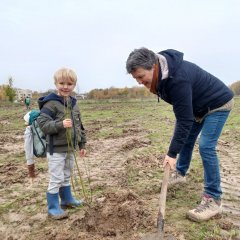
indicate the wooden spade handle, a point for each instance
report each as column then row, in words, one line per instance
column 163, row 196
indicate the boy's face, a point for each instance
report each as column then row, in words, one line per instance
column 65, row 87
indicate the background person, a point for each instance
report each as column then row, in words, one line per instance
column 27, row 102
column 28, row 146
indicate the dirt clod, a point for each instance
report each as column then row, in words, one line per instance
column 120, row 212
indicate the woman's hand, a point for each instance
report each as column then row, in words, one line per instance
column 170, row 161
column 82, row 152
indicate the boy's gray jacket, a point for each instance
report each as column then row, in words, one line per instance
column 53, row 112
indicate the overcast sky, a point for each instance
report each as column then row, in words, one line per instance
column 95, row 37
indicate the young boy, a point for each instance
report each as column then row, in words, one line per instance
column 29, row 117
column 28, row 146
column 60, row 115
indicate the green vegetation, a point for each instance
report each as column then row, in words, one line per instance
column 143, row 129
column 157, row 121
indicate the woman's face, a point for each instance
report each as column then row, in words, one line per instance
column 143, row 76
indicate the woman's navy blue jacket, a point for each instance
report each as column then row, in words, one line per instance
column 192, row 91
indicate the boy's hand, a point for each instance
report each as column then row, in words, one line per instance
column 82, row 152
column 67, row 123
column 170, row 161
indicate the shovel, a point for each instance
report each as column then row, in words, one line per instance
column 162, row 204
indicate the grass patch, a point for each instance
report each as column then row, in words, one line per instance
column 149, row 123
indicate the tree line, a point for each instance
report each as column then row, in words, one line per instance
column 236, row 88
column 7, row 92
column 119, row 93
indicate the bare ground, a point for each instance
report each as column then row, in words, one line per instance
column 117, row 212
column 230, row 173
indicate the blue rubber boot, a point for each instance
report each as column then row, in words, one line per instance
column 67, row 200
column 54, row 210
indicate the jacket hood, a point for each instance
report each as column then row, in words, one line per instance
column 55, row 97
column 174, row 59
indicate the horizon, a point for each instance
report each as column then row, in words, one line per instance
column 94, row 38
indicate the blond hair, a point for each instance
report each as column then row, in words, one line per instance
column 65, row 74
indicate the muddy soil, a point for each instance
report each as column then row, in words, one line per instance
column 115, row 213
column 230, row 173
